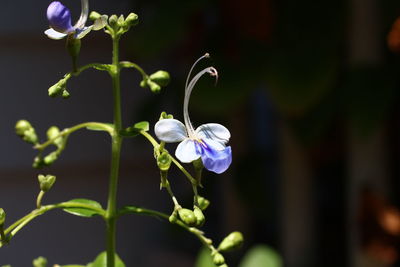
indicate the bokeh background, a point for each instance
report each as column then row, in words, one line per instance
column 309, row 90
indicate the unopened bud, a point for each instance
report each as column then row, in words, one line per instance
column 203, row 202
column 94, row 15
column 154, row 87
column 40, row 262
column 200, row 219
column 21, row 126
column 65, row 94
column 46, row 182
column 58, row 89
column 50, row 158
column 218, row 259
column 173, row 218
column 2, row 216
column 113, row 20
column 164, row 115
column 164, row 161
column 187, row 216
column 53, row 132
column 160, row 77
column 132, row 19
column 232, row 241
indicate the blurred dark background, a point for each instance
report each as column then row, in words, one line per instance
column 309, row 90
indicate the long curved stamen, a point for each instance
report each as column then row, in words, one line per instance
column 206, row 55
column 213, row 72
column 84, row 15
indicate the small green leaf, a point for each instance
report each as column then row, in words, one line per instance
column 98, row 127
column 101, row 261
column 135, row 129
column 84, row 212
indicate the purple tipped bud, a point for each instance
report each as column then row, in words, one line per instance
column 59, row 17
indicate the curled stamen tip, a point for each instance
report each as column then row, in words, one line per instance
column 207, row 55
column 213, row 72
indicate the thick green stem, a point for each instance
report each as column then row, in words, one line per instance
column 111, row 215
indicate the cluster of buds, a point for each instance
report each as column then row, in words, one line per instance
column 155, row 81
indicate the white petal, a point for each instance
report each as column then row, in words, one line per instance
column 100, row 23
column 55, row 35
column 82, row 32
column 214, row 131
column 170, row 130
column 188, row 151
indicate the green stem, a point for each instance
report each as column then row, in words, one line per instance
column 68, row 131
column 111, row 215
column 127, row 64
column 18, row 225
column 39, row 199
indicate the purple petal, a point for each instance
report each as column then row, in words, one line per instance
column 214, row 160
column 59, row 17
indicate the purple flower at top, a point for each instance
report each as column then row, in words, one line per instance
column 59, row 17
column 207, row 142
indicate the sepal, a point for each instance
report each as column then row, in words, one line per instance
column 46, row 182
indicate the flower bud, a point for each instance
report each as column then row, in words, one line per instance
column 94, row 15
column 65, row 94
column 121, row 21
column 37, row 162
column 40, row 262
column 164, row 115
column 113, row 20
column 187, row 216
column 46, row 182
column 231, row 242
column 160, row 77
column 173, row 218
column 2, row 217
column 132, row 20
column 52, row 132
column 164, row 161
column 218, row 259
column 50, row 158
column 203, row 203
column 21, row 126
column 58, row 89
column 200, row 219
column 155, row 88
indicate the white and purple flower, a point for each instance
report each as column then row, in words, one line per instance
column 59, row 17
column 207, row 142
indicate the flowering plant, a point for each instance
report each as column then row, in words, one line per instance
column 203, row 147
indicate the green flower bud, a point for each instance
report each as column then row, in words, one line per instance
column 65, row 94
column 58, row 89
column 187, row 216
column 121, row 21
column 160, row 77
column 200, row 219
column 2, row 216
column 164, row 161
column 155, row 88
column 113, row 21
column 22, row 126
column 50, row 158
column 232, row 241
column 40, row 262
column 52, row 132
column 37, row 162
column 46, row 182
column 218, row 259
column 164, row 115
column 143, row 83
column 132, row 20
column 94, row 15
column 173, row 218
column 203, row 203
